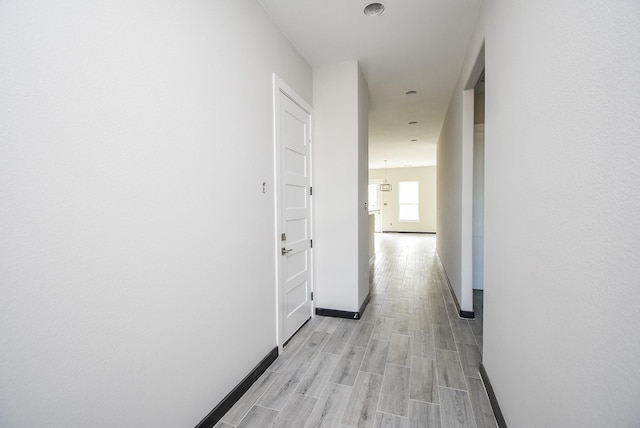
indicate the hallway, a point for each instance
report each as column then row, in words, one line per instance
column 409, row 362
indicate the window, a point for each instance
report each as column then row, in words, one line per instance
column 409, row 201
column 373, row 196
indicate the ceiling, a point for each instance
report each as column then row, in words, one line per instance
column 414, row 45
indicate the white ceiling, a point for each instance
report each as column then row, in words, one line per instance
column 415, row 45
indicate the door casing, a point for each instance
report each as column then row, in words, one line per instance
column 280, row 87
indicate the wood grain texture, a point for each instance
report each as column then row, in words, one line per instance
column 394, row 396
column 462, row 332
column 385, row 420
column 361, row 334
column 388, row 308
column 276, row 396
column 482, row 410
column 424, row 415
column 361, row 409
column 347, row 368
column 470, row 358
column 439, row 311
column 330, row 407
column 455, row 408
column 423, row 344
column 293, row 346
column 449, row 369
column 327, row 324
column 399, row 350
column 296, row 412
column 383, row 328
column 421, row 305
column 258, row 417
column 424, row 384
column 223, row 425
column 384, row 364
column 316, row 377
column 370, row 313
column 403, row 324
column 444, row 337
column 338, row 340
column 311, row 347
column 375, row 357
column 405, row 306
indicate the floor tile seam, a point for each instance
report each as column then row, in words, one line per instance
column 396, row 365
column 365, row 352
column 454, row 389
column 475, row 339
column 255, row 403
column 436, row 375
column 424, row 401
column 381, row 384
column 265, row 407
column 392, row 414
column 339, row 384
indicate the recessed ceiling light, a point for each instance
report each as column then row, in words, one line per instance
column 412, row 123
column 374, row 9
column 410, row 93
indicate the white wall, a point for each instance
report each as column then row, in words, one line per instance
column 340, row 186
column 562, row 236
column 426, row 178
column 363, row 188
column 137, row 255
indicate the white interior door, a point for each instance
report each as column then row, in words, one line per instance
column 293, row 165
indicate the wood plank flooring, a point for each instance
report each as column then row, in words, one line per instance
column 409, row 362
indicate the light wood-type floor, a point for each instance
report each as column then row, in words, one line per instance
column 409, row 362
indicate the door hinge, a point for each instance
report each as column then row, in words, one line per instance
column 312, row 295
column 311, row 191
column 312, row 243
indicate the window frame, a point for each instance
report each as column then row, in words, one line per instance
column 415, row 204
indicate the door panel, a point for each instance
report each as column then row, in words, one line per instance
column 295, row 215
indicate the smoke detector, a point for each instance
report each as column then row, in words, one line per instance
column 374, row 9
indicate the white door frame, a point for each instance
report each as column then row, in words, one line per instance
column 279, row 86
column 466, row 238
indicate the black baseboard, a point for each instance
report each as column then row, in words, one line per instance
column 227, row 402
column 394, row 231
column 492, row 398
column 337, row 314
column 344, row 314
column 467, row 314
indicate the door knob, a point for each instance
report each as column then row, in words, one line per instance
column 285, row 251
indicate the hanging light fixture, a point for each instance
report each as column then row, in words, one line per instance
column 385, row 187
